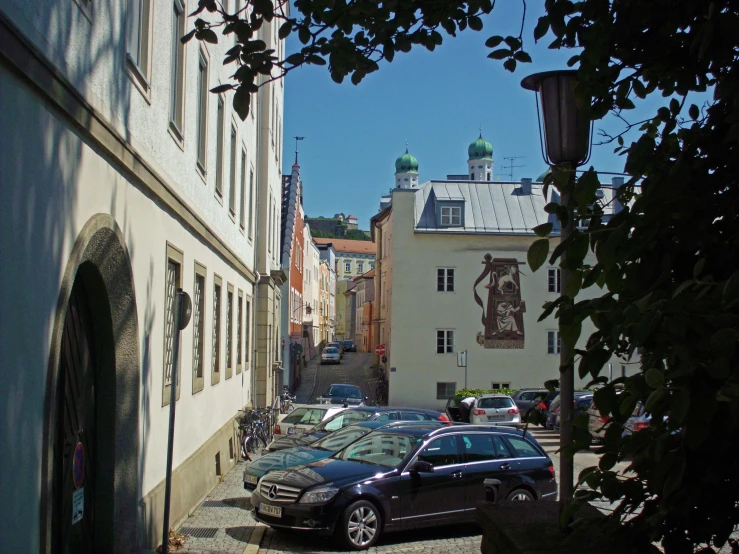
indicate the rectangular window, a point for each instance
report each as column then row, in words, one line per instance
column 239, row 345
column 232, row 181
column 139, row 42
column 229, row 331
column 173, row 282
column 242, row 215
column 445, row 279
column 445, row 341
column 498, row 386
column 372, row 265
column 216, row 356
column 445, row 390
column 177, row 84
column 251, row 201
column 247, row 329
column 360, row 267
column 553, row 275
column 451, row 216
column 553, row 342
column 269, row 225
column 198, row 328
column 202, row 110
column 347, row 267
column 220, row 124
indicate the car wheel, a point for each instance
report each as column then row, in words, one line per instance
column 360, row 525
column 521, row 495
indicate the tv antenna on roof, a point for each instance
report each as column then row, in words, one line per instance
column 511, row 165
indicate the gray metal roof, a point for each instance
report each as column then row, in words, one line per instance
column 489, row 207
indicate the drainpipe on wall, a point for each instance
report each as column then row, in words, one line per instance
column 255, row 211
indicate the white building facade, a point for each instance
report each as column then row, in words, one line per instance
column 452, row 277
column 123, row 179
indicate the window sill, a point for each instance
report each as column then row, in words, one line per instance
column 218, row 197
column 138, row 78
column 176, row 135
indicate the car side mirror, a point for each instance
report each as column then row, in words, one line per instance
column 422, row 467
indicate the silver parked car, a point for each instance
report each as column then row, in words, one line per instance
column 495, row 408
column 303, row 417
column 330, row 355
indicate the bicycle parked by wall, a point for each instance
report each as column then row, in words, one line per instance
column 287, row 401
column 255, row 428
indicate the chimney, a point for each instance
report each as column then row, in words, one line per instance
column 617, row 183
column 526, row 186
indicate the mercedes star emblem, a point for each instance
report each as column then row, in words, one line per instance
column 273, row 490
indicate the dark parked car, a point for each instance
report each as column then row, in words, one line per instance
column 342, row 393
column 553, row 412
column 319, row 450
column 355, row 415
column 405, row 476
column 527, row 399
column 581, row 404
column 349, row 346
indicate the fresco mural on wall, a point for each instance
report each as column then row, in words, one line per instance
column 502, row 312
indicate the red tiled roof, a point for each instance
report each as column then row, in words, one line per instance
column 369, row 275
column 350, row 216
column 350, row 246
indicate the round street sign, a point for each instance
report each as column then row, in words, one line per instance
column 78, row 465
column 380, row 350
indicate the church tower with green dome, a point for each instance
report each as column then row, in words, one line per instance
column 406, row 171
column 480, row 160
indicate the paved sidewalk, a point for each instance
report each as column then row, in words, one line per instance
column 308, row 380
column 222, row 524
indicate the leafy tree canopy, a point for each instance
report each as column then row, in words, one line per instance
column 666, row 266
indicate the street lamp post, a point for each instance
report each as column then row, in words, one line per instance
column 565, row 131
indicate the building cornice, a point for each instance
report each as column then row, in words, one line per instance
column 31, row 66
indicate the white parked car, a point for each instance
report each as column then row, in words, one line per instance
column 303, row 417
column 330, row 355
column 495, row 408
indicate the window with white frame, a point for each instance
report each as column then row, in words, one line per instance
column 242, row 214
column 232, row 179
column 220, row 126
column 347, row 267
column 553, row 282
column 229, row 331
column 451, row 216
column 360, row 267
column 202, row 114
column 372, row 265
column 251, row 202
column 445, row 279
column 216, row 355
column 173, row 282
column 445, row 341
column 139, row 42
column 247, row 330
column 177, row 84
column 500, row 385
column 239, row 345
column 553, row 342
column 198, row 328
column 445, row 390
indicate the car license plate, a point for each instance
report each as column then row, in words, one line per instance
column 266, row 509
column 251, row 479
column 496, row 418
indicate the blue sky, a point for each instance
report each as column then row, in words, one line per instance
column 436, row 100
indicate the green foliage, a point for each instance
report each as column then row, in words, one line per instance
column 352, row 234
column 465, row 393
column 665, row 266
column 356, row 234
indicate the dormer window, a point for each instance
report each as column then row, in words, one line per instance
column 451, row 216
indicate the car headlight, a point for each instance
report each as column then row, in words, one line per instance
column 319, row 495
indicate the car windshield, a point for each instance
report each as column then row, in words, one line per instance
column 344, row 391
column 342, row 419
column 348, row 343
column 331, row 350
column 382, row 449
column 309, row 416
column 342, row 438
column 499, row 402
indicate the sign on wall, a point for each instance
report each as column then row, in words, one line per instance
column 502, row 307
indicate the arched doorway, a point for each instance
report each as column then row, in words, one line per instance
column 77, row 437
column 90, row 486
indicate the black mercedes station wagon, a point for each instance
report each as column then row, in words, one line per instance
column 407, row 476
